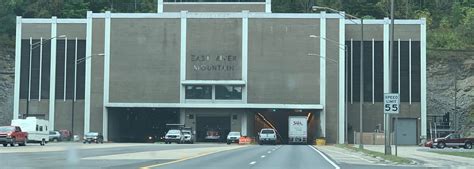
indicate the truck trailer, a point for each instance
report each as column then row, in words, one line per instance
column 297, row 129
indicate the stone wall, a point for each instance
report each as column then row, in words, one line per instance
column 7, row 78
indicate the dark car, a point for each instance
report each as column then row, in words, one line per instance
column 93, row 137
column 453, row 140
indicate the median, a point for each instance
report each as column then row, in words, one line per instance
column 378, row 155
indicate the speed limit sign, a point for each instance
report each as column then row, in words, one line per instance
column 391, row 103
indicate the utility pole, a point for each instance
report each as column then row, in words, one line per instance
column 388, row 147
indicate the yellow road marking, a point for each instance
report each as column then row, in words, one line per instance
column 184, row 159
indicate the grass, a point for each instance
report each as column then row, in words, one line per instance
column 462, row 154
column 392, row 158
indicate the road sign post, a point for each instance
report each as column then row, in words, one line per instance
column 391, row 106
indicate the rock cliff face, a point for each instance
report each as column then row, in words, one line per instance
column 7, row 79
column 451, row 81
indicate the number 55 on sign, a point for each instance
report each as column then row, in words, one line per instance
column 391, row 103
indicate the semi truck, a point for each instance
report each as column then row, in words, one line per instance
column 297, row 129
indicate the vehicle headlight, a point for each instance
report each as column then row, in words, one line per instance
column 435, row 140
column 150, row 138
column 9, row 136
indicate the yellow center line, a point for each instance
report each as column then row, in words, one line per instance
column 187, row 158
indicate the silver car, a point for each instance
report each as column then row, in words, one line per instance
column 267, row 135
column 174, row 135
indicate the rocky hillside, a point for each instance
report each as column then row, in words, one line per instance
column 7, row 64
column 451, row 77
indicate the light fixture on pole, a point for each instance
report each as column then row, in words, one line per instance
column 361, row 101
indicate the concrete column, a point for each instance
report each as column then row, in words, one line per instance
column 322, row 65
column 244, row 124
column 87, row 95
column 16, row 95
column 105, row 114
column 52, row 73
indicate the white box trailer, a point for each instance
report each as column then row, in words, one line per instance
column 37, row 129
column 297, row 129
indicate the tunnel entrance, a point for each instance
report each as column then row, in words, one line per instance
column 212, row 128
column 278, row 119
column 140, row 124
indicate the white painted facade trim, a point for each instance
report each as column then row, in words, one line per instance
column 16, row 94
column 386, row 66
column 52, row 73
column 65, row 68
column 218, row 15
column 409, row 69
column 182, row 69
column 423, row 76
column 87, row 89
column 373, row 71
column 268, row 6
column 105, row 114
column 213, row 82
column 382, row 21
column 342, row 80
column 215, row 105
column 40, row 68
column 352, row 71
column 49, row 20
column 215, row 3
column 159, row 6
column 386, row 56
column 245, row 53
column 322, row 76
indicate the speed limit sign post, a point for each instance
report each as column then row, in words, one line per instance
column 391, row 103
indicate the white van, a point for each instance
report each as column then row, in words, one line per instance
column 37, row 129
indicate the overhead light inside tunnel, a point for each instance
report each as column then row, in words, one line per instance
column 266, row 121
column 308, row 118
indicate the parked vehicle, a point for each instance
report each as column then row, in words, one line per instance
column 37, row 129
column 93, row 137
column 212, row 135
column 174, row 135
column 54, row 136
column 297, row 129
column 233, row 137
column 188, row 135
column 12, row 135
column 267, row 135
column 66, row 135
column 453, row 140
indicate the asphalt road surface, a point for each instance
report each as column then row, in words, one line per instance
column 174, row 156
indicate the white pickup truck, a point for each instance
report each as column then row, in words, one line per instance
column 267, row 135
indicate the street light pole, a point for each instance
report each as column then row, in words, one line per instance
column 388, row 147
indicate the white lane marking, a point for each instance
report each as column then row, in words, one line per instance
column 326, row 158
column 269, row 152
column 263, row 156
column 252, row 163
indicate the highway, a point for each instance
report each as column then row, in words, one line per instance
column 171, row 156
column 256, row 157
